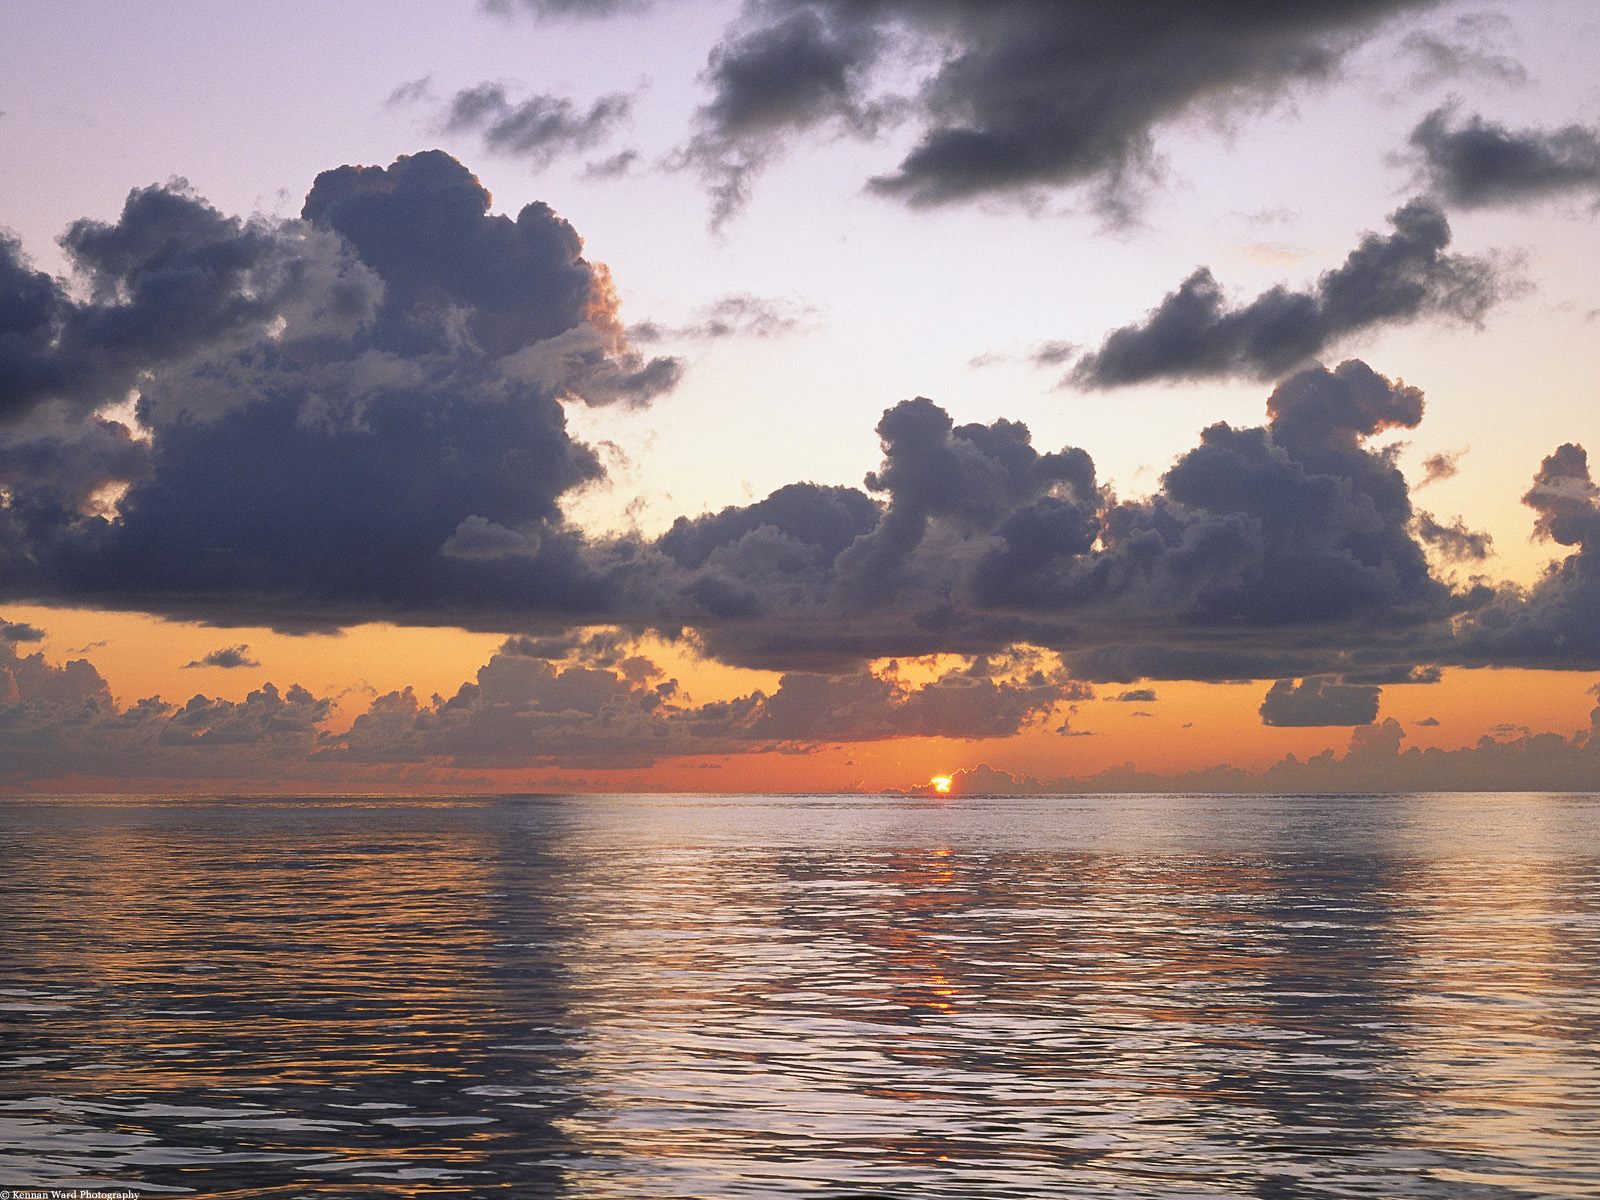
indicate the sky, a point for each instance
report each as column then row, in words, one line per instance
column 799, row 395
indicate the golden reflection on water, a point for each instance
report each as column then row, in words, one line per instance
column 638, row 997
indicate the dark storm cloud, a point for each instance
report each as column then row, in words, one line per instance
column 228, row 658
column 287, row 512
column 1454, row 542
column 1011, row 96
column 1319, row 701
column 970, row 478
column 1476, row 163
column 17, row 632
column 538, row 129
column 1195, row 334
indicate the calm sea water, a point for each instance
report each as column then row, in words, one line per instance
column 1164, row 996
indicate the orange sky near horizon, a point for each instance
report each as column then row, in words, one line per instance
column 1190, row 726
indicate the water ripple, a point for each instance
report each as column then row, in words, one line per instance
column 647, row 997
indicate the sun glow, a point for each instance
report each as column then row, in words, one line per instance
column 941, row 784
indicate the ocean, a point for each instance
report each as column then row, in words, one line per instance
column 833, row 996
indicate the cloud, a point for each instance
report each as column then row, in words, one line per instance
column 1375, row 761
column 1556, row 623
column 340, row 459
column 1383, row 676
column 1441, row 466
column 805, row 70
column 449, row 268
column 863, row 707
column 412, row 91
column 1286, row 549
column 592, row 702
column 1454, row 542
column 1054, row 354
column 170, row 279
column 228, row 658
column 537, row 129
column 735, row 316
column 406, row 457
column 612, row 167
column 1195, row 334
column 526, row 709
column 1469, row 48
column 1046, row 354
column 558, row 9
column 1293, row 525
column 1137, row 696
column 61, row 721
column 1008, row 98
column 1319, row 701
column 1476, row 163
column 17, row 632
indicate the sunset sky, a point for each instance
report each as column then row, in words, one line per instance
column 799, row 395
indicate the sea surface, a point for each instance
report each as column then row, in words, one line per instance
column 696, row 996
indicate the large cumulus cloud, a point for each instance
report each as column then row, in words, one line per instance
column 358, row 411
column 1288, row 549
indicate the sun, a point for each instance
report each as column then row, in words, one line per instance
column 941, row 784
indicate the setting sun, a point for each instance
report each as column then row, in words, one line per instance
column 941, row 784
